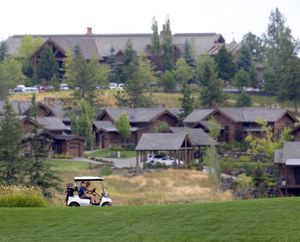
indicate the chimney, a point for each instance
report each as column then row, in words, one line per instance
column 89, row 31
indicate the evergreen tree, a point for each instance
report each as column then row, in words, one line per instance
column 3, row 50
column 282, row 62
column 86, row 75
column 182, row 72
column 10, row 75
column 242, row 79
column 245, row 61
column 47, row 66
column 244, row 100
column 28, row 46
column 255, row 45
column 168, row 81
column 211, row 93
column 226, row 66
column 82, row 122
column 139, row 72
column 187, row 102
column 39, row 172
column 155, row 47
column 188, row 55
column 167, row 46
column 11, row 166
column 123, row 127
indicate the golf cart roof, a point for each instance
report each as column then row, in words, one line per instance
column 88, row 178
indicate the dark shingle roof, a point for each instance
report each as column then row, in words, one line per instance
column 253, row 114
column 197, row 136
column 197, row 115
column 58, row 109
column 19, row 107
column 161, row 141
column 100, row 45
column 290, row 150
column 109, row 126
column 51, row 123
column 135, row 115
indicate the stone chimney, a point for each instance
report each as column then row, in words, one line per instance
column 89, row 31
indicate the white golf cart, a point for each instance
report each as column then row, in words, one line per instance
column 72, row 193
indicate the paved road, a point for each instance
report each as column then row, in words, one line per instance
column 118, row 163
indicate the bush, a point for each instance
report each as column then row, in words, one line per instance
column 62, row 156
column 21, row 196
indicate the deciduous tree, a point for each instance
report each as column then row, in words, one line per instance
column 123, row 127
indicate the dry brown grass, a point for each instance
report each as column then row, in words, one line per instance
column 171, row 186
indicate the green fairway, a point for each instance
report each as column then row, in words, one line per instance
column 252, row 220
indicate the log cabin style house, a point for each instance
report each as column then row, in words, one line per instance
column 237, row 123
column 142, row 120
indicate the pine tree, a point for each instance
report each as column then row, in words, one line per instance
column 187, row 102
column 167, row 46
column 226, row 66
column 3, row 50
column 11, row 166
column 123, row 127
column 39, row 172
column 155, row 47
column 244, row 100
column 188, row 55
column 47, row 66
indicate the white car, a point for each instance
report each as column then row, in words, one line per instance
column 113, row 85
column 163, row 160
column 74, row 200
column 64, row 87
column 121, row 86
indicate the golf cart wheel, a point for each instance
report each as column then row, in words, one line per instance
column 74, row 204
column 106, row 204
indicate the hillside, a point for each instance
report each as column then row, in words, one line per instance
column 170, row 100
column 252, row 220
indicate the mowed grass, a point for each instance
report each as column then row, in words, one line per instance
column 252, row 220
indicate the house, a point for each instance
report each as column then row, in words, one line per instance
column 288, row 160
column 25, row 108
column 177, row 145
column 142, row 120
column 99, row 46
column 237, row 123
column 53, row 134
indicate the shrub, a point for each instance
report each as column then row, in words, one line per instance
column 244, row 186
column 21, row 196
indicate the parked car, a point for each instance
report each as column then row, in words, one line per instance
column 19, row 88
column 31, row 90
column 64, row 87
column 113, row 85
column 161, row 159
column 46, row 88
column 121, row 86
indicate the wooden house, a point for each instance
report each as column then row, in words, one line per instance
column 142, row 120
column 288, row 160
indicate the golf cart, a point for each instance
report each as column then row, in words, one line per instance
column 74, row 200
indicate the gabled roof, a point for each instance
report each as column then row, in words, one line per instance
column 108, row 126
column 22, row 107
column 198, row 136
column 290, row 150
column 99, row 45
column 162, row 141
column 253, row 114
column 197, row 115
column 135, row 115
column 58, row 109
column 52, row 123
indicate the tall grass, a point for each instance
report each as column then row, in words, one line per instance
column 21, row 196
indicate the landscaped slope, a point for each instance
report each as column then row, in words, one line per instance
column 253, row 220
